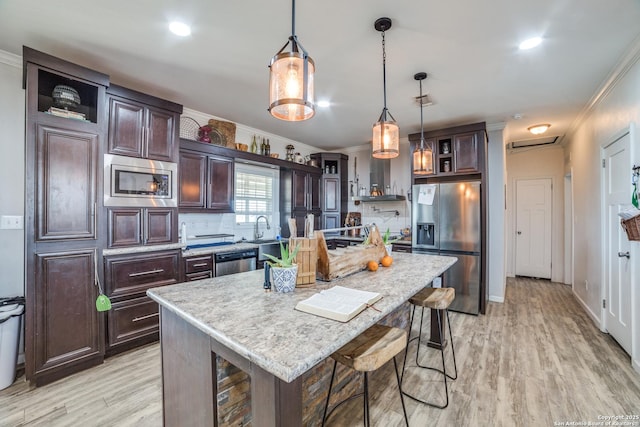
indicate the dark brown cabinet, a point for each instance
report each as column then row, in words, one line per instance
column 63, row 331
column 300, row 196
column 142, row 226
column 141, row 125
column 206, row 182
column 334, row 191
column 133, row 319
column 456, row 151
column 198, row 267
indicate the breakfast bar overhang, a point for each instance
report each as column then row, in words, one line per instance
column 260, row 333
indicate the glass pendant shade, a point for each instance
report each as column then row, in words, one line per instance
column 386, row 140
column 288, row 99
column 422, row 160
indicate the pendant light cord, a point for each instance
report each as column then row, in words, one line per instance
column 421, row 122
column 293, row 19
column 384, row 76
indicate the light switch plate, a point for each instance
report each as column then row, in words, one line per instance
column 11, row 222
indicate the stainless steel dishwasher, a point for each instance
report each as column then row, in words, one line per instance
column 235, row 262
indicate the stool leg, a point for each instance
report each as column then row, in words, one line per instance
column 420, row 337
column 404, row 410
column 406, row 349
column 326, row 406
column 453, row 351
column 444, row 367
column 366, row 400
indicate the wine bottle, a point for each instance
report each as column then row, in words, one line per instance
column 263, row 147
column 254, row 146
column 268, row 151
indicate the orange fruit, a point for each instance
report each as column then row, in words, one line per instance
column 386, row 261
column 372, row 266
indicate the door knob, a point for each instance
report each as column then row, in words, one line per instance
column 623, row 254
column 519, row 232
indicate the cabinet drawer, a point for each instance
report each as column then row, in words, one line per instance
column 132, row 319
column 130, row 274
column 190, row 277
column 198, row 264
column 401, row 248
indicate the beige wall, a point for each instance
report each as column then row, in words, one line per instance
column 534, row 163
column 615, row 112
column 11, row 173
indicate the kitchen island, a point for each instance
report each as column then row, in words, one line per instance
column 261, row 334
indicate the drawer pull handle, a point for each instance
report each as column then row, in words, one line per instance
column 203, row 264
column 146, row 273
column 148, row 316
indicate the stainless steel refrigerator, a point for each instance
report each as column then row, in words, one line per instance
column 446, row 221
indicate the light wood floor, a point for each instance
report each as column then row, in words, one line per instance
column 532, row 361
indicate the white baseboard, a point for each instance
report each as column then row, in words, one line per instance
column 592, row 315
column 496, row 299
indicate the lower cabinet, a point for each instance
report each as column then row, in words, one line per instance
column 133, row 319
column 198, row 267
column 399, row 247
column 64, row 331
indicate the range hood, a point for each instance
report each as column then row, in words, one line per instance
column 379, row 175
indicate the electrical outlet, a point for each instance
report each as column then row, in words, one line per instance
column 437, row 282
column 11, row 222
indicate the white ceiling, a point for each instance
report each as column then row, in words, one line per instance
column 468, row 48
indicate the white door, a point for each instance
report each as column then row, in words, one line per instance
column 617, row 196
column 533, row 228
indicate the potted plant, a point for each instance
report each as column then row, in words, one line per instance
column 386, row 239
column 283, row 271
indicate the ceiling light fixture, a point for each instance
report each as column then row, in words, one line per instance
column 539, row 129
column 530, row 43
column 179, row 29
column 386, row 133
column 422, row 157
column 291, row 80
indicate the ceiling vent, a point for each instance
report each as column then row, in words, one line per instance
column 535, row 142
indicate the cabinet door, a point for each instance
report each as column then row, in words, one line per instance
column 126, row 124
column 160, row 134
column 331, row 195
column 299, row 196
column 66, row 179
column 160, row 226
column 67, row 330
column 220, row 194
column 465, row 152
column 313, row 187
column 125, row 227
column 193, row 175
column 331, row 221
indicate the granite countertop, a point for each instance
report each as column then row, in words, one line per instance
column 219, row 249
column 264, row 328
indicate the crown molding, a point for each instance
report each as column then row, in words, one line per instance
column 626, row 63
column 10, row 59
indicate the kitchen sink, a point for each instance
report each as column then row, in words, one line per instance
column 267, row 246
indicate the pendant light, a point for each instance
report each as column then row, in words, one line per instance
column 291, row 80
column 422, row 157
column 386, row 133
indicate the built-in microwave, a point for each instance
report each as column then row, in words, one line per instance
column 130, row 181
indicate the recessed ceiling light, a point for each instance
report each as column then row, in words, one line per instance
column 539, row 129
column 530, row 43
column 323, row 104
column 180, row 29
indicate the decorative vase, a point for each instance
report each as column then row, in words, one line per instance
column 284, row 278
column 388, row 248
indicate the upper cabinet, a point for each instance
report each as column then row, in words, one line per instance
column 459, row 150
column 141, row 125
column 206, row 181
column 334, row 191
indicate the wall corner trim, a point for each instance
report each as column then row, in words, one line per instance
column 10, row 59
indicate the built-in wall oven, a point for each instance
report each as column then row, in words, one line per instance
column 130, row 181
column 235, row 262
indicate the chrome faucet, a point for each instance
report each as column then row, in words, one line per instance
column 256, row 233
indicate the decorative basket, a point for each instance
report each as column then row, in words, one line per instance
column 189, row 128
column 632, row 227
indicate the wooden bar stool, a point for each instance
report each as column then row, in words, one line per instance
column 436, row 299
column 366, row 353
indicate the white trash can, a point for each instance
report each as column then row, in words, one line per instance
column 10, row 316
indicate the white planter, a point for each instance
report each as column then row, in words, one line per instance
column 284, row 279
column 388, row 248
